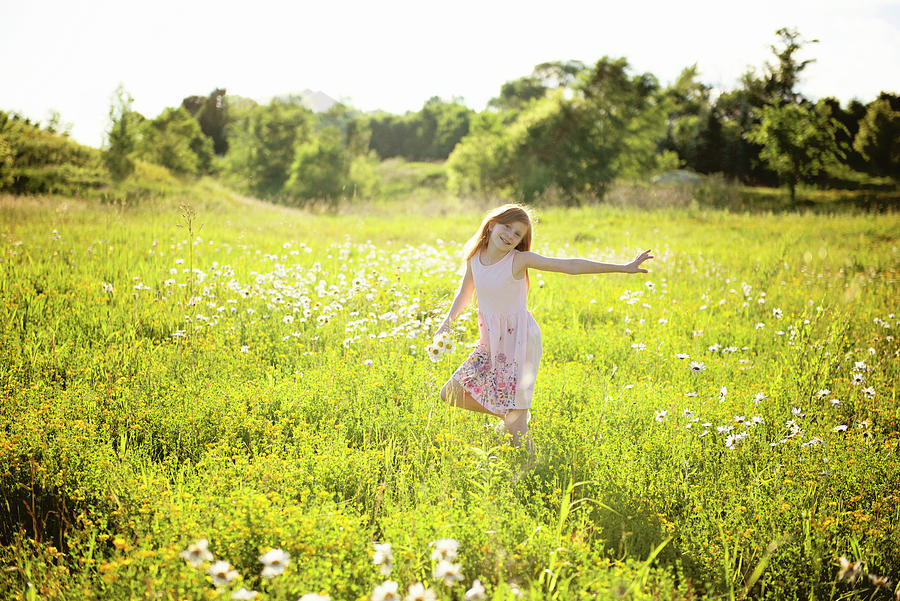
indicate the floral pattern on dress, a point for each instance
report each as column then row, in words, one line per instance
column 491, row 383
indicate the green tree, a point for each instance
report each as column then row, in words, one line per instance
column 210, row 111
column 797, row 142
column 427, row 135
column 517, row 94
column 878, row 139
column 849, row 118
column 575, row 142
column 350, row 123
column 122, row 136
column 175, row 141
column 262, row 142
column 688, row 117
column 320, row 170
column 738, row 111
column 446, row 123
column 514, row 95
column 56, row 125
column 782, row 79
column 6, row 156
column 479, row 164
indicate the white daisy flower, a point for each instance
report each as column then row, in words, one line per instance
column 384, row 557
column 274, row 562
column 697, row 367
column 661, row 416
column 418, row 592
column 242, row 594
column 386, row 591
column 476, row 593
column 433, row 353
column 197, row 553
column 840, row 428
column 449, row 573
column 869, row 392
column 444, row 549
column 222, row 573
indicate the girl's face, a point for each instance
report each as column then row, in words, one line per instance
column 506, row 236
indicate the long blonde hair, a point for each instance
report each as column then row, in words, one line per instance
column 506, row 214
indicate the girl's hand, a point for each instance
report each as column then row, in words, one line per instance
column 635, row 266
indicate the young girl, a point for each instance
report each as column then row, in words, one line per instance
column 498, row 377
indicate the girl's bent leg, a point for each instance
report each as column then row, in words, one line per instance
column 517, row 424
column 456, row 395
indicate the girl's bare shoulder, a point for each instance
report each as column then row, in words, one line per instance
column 522, row 260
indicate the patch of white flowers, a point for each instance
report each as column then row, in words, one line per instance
column 446, row 571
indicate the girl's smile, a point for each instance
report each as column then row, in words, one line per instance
column 506, row 235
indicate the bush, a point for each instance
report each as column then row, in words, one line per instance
column 37, row 161
column 321, row 169
column 175, row 141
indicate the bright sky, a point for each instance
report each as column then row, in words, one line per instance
column 395, row 54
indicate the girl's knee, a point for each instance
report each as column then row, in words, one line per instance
column 446, row 391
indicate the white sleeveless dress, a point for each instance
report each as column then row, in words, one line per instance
column 501, row 371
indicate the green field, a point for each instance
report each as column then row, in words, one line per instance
column 259, row 380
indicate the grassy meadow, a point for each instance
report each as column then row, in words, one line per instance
column 723, row 427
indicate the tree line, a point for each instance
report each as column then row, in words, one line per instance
column 568, row 129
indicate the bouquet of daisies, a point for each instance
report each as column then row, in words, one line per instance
column 441, row 344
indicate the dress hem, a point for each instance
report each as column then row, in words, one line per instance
column 480, row 402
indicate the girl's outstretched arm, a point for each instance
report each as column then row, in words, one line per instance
column 528, row 259
column 463, row 298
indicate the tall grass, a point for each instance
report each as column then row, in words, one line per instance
column 258, row 379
